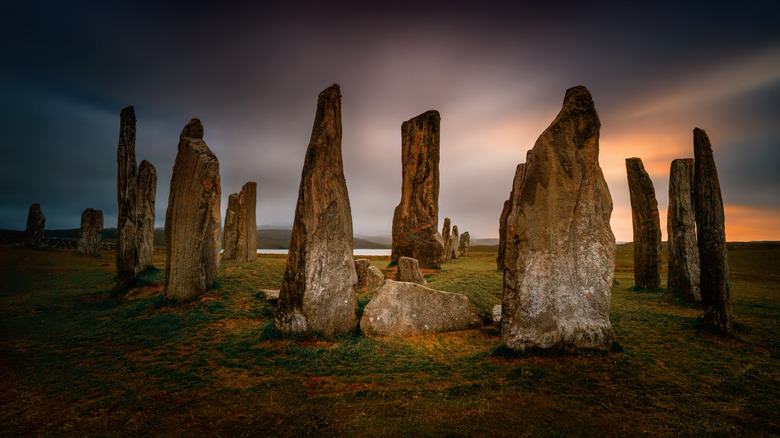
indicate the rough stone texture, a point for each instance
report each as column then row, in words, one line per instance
column 463, row 247
column 560, row 257
column 681, row 229
column 399, row 308
column 714, row 266
column 417, row 215
column 193, row 219
column 445, row 237
column 647, row 226
column 91, row 232
column 369, row 277
column 246, row 238
column 409, row 270
column 230, row 232
column 147, row 192
column 454, row 242
column 511, row 208
column 36, row 221
column 496, row 314
column 127, row 198
column 318, row 288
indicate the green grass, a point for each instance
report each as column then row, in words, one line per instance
column 78, row 358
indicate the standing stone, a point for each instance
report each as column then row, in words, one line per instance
column 647, row 226
column 454, row 242
column 127, row 197
column 193, row 218
column 560, row 257
column 445, row 236
column 417, row 216
column 147, row 192
column 409, row 271
column 502, row 235
column 369, row 277
column 708, row 205
column 463, row 247
column 91, row 233
column 36, row 221
column 230, row 233
column 318, row 287
column 246, row 238
column 510, row 210
column 681, row 229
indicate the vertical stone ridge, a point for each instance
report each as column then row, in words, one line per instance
column 91, row 232
column 646, row 225
column 246, row 241
column 681, row 230
column 127, row 215
column 445, row 236
column 230, row 233
column 147, row 192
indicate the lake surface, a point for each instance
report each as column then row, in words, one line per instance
column 362, row 252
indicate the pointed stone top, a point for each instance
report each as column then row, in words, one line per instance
column 194, row 129
column 578, row 98
column 430, row 115
column 145, row 164
column 334, row 91
column 635, row 162
column 127, row 111
column 700, row 138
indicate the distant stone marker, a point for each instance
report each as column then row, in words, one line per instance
column 454, row 242
column 91, row 232
column 400, row 308
column 230, row 232
column 36, row 222
column 445, row 236
column 417, row 215
column 465, row 242
column 409, row 270
column 369, row 277
column 246, row 239
column 127, row 198
column 646, row 224
column 708, row 206
column 318, row 288
column 511, row 208
column 681, row 229
column 147, row 192
column 193, row 218
column 560, row 258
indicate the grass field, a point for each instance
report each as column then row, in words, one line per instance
column 78, row 359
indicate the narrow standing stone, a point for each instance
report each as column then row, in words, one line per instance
column 454, row 241
column 36, row 221
column 714, row 276
column 465, row 242
column 147, row 192
column 681, row 229
column 445, row 236
column 318, row 287
column 91, row 232
column 647, row 226
column 127, row 197
column 246, row 239
column 193, row 218
column 509, row 215
column 417, row 215
column 230, row 233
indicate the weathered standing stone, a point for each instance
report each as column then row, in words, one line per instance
column 647, row 226
column 463, row 247
column 230, row 232
column 509, row 215
column 127, row 198
column 318, row 288
column 246, row 238
column 454, row 242
column 681, row 229
column 417, row 215
column 193, row 218
column 147, row 192
column 36, row 221
column 400, row 308
column 711, row 233
column 369, row 277
column 91, row 232
column 445, row 237
column 409, row 270
column 560, row 257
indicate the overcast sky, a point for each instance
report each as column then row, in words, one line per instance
column 496, row 71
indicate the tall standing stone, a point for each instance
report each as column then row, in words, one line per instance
column 681, row 229
column 561, row 255
column 318, row 287
column 445, row 236
column 230, row 233
column 36, row 221
column 647, row 226
column 465, row 242
column 417, row 215
column 91, row 232
column 127, row 197
column 147, row 192
column 246, row 238
column 711, row 233
column 454, row 242
column 193, row 219
column 509, row 213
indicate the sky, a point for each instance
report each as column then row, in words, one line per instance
column 496, row 71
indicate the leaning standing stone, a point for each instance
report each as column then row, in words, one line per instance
column 127, row 197
column 147, row 192
column 91, row 232
column 36, row 221
column 714, row 276
column 246, row 238
column 681, row 229
column 647, row 226
column 409, row 270
column 465, row 241
column 193, row 218
column 318, row 287
column 558, row 280
column 417, row 216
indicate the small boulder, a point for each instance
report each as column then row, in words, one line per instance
column 91, row 232
column 496, row 312
column 409, row 270
column 463, row 247
column 369, row 277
